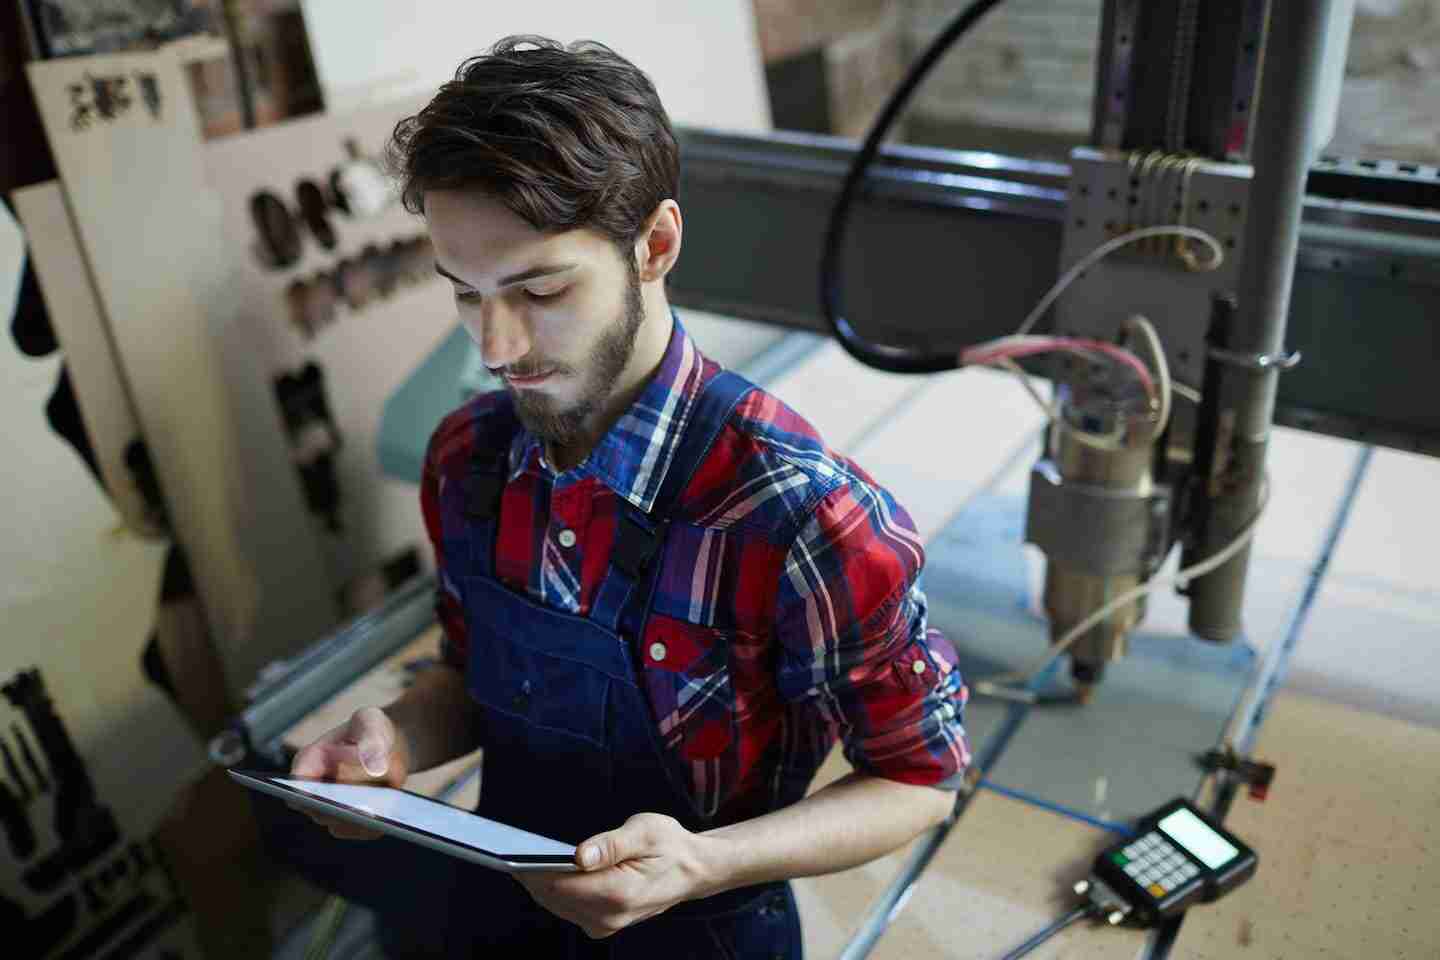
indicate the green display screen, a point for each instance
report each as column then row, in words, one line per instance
column 1192, row 833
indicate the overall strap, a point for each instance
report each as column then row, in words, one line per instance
column 638, row 534
column 484, row 480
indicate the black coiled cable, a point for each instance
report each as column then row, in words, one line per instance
column 881, row 356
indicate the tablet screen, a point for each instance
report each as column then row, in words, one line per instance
column 437, row 819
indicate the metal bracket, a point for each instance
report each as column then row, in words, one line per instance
column 1260, row 362
column 1098, row 530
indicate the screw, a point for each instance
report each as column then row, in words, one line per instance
column 1116, row 918
column 1082, row 887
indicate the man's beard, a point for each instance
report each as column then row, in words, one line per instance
column 565, row 426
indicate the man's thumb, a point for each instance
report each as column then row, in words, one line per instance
column 597, row 853
column 374, row 757
column 372, row 740
column 608, row 849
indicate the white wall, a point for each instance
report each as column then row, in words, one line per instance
column 704, row 58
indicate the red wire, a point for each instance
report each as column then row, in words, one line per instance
column 1075, row 345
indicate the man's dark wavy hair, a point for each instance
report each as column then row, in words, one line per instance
column 565, row 137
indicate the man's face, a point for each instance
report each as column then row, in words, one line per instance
column 555, row 315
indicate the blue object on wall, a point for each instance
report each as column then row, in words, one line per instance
column 448, row 377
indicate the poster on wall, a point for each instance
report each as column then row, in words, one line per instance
column 86, row 885
column 336, row 304
column 68, row 27
column 129, row 171
column 91, row 753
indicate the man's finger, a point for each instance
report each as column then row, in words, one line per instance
column 607, row 849
column 373, row 735
column 348, row 831
column 310, row 763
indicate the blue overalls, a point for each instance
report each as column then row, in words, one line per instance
column 571, row 748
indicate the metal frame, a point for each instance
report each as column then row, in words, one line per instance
column 949, row 248
column 324, row 669
column 1107, row 198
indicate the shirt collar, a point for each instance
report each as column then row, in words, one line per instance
column 634, row 456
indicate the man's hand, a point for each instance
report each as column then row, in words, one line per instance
column 627, row 875
column 366, row 749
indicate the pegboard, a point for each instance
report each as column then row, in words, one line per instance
column 366, row 347
column 1109, row 195
column 1347, row 839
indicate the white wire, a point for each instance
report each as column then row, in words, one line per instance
column 1095, row 351
column 1109, row 247
column 1162, row 369
column 1189, row 393
column 1013, row 367
column 1052, row 414
column 1084, row 263
column 990, row 686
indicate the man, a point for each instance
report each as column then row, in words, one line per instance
column 664, row 599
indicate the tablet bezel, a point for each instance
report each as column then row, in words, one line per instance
column 269, row 783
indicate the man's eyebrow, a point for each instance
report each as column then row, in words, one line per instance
column 534, row 273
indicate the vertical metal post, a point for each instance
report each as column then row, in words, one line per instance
column 1289, row 89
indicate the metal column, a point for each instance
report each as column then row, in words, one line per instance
column 1252, row 356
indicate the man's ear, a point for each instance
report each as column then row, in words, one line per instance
column 658, row 246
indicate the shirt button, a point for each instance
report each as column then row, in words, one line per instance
column 567, row 538
column 918, row 667
column 657, row 652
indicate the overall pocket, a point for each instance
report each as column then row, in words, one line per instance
column 517, row 682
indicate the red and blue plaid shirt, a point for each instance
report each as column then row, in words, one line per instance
column 787, row 614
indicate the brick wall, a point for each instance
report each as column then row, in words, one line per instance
column 790, row 27
column 1028, row 65
column 864, row 67
column 862, row 46
column 1023, row 80
column 1390, row 102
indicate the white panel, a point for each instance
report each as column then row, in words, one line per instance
column 949, row 442
column 78, row 594
column 703, row 58
column 841, row 397
column 151, row 228
column 1393, row 532
column 74, row 311
column 1373, row 636
column 366, row 353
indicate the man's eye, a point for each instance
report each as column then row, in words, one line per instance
column 473, row 296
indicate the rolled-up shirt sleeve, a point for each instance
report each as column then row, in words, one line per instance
column 851, row 623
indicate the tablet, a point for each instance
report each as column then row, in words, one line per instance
column 418, row 819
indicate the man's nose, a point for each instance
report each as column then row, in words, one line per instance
column 504, row 337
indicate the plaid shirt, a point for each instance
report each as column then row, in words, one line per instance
column 786, row 615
